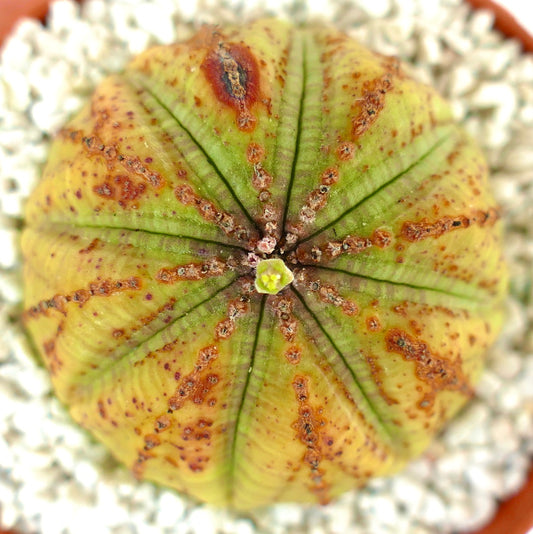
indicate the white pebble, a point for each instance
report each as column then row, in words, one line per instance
column 62, row 14
column 6, row 458
column 432, row 509
column 203, row 520
column 482, row 480
column 515, row 473
column 10, row 514
column 488, row 386
column 461, row 80
column 481, row 510
column 480, row 22
column 409, row 492
column 170, row 509
column 86, row 474
column 377, row 8
column 286, row 514
column 15, row 53
column 17, row 90
column 470, row 427
column 430, row 49
column 157, row 21
column 509, row 399
column 95, row 10
column 339, row 519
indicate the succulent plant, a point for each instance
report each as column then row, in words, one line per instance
column 263, row 265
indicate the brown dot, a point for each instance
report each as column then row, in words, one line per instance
column 345, row 151
column 293, row 355
column 373, row 324
column 255, row 153
column 330, row 176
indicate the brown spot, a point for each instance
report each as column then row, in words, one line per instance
column 370, row 104
column 151, row 441
column 51, row 358
column 381, row 238
column 196, row 385
column 121, row 189
column 308, row 254
column 236, row 308
column 373, row 324
column 139, row 465
column 416, row 231
column 95, row 147
column 327, row 293
column 224, row 329
column 437, row 373
column 261, row 179
column 330, row 176
column 233, row 73
column 92, row 245
column 293, row 354
column 309, row 427
column 101, row 409
column 255, row 153
column 101, row 288
column 191, row 271
column 162, row 423
column 225, row 221
column 345, row 151
column 283, row 307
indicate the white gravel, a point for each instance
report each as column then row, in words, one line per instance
column 55, row 480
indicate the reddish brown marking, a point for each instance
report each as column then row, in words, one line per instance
column 102, row 288
column 293, row 354
column 330, row 176
column 345, row 151
column 327, row 293
column 416, row 231
column 147, row 319
column 233, row 74
column 225, row 221
column 283, row 308
column 195, row 386
column 151, row 441
column 191, row 271
column 139, row 465
column 309, row 428
column 162, row 423
column 437, row 373
column 317, row 198
column 377, row 374
column 373, row 324
column 198, row 431
column 52, row 360
column 101, row 409
column 381, row 238
column 370, row 104
column 261, row 179
column 255, row 153
column 92, row 245
column 96, row 147
column 307, row 254
column 224, row 329
column 236, row 308
column 120, row 189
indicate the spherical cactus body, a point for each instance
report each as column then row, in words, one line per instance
column 263, row 265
